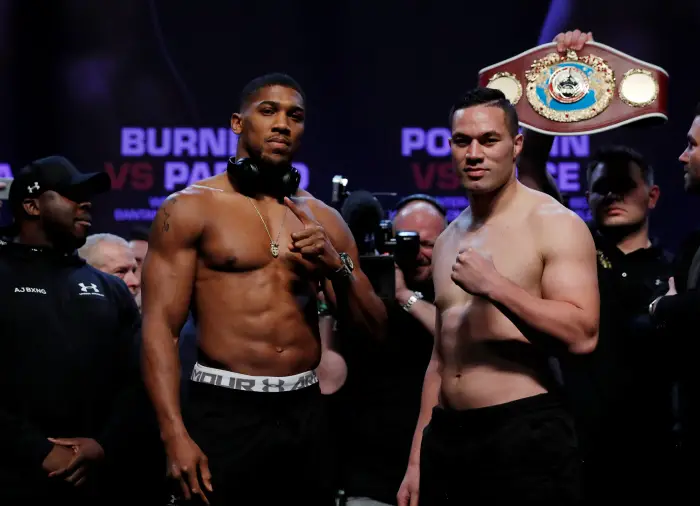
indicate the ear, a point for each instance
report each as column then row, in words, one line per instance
column 654, row 194
column 517, row 146
column 237, row 123
column 31, row 207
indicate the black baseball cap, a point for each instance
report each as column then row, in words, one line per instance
column 60, row 175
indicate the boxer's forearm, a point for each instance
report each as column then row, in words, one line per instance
column 429, row 399
column 356, row 301
column 572, row 326
column 161, row 372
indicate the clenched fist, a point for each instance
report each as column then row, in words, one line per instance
column 474, row 272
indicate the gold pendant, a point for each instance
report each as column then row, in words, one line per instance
column 274, row 249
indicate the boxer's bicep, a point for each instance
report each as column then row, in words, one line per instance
column 570, row 270
column 169, row 267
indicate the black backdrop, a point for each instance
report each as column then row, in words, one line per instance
column 90, row 80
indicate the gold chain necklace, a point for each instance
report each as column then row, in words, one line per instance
column 274, row 245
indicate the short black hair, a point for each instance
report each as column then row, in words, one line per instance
column 618, row 157
column 697, row 109
column 489, row 97
column 275, row 78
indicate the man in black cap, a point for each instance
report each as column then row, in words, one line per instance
column 54, row 185
column 69, row 344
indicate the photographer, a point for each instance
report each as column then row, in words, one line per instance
column 419, row 214
column 383, row 386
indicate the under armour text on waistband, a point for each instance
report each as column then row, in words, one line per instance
column 264, row 384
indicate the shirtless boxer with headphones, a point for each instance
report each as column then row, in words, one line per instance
column 246, row 250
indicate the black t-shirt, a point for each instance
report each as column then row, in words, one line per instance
column 376, row 411
column 622, row 391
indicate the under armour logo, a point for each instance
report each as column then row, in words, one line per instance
column 35, row 186
column 267, row 385
column 91, row 286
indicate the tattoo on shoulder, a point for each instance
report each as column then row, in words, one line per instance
column 166, row 214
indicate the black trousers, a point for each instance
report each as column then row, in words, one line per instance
column 523, row 451
column 263, row 448
column 630, row 472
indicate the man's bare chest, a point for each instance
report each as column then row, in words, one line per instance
column 247, row 237
column 513, row 250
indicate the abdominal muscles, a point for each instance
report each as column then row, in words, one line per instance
column 261, row 322
column 486, row 360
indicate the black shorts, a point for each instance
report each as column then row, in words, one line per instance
column 263, row 448
column 523, row 451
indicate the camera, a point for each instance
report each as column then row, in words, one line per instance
column 379, row 247
column 402, row 246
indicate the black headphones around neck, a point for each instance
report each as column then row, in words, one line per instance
column 278, row 181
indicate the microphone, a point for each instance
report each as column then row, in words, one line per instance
column 363, row 213
column 339, row 192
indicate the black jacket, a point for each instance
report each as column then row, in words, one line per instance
column 682, row 311
column 68, row 362
column 678, row 318
column 623, row 389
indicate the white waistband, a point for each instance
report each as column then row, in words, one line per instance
column 236, row 381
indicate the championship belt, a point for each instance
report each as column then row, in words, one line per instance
column 580, row 92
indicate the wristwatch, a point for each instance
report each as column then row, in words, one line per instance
column 322, row 308
column 346, row 268
column 412, row 300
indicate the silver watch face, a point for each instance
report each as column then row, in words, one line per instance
column 347, row 261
